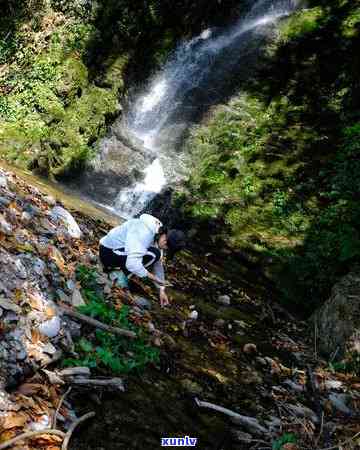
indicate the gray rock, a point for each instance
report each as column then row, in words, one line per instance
column 224, row 300
column 20, row 269
column 242, row 437
column 296, row 387
column 50, row 328
column 50, row 200
column 338, row 320
column 303, row 412
column 5, row 227
column 9, row 306
column 21, row 355
column 67, row 219
column 143, row 303
column 4, row 201
column 3, row 181
column 26, row 217
column 339, row 401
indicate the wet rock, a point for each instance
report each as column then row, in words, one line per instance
column 224, row 300
column 338, row 320
column 50, row 328
column 61, row 214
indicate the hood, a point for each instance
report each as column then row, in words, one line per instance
column 151, row 222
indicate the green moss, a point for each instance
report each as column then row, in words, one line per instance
column 351, row 24
column 300, row 23
column 72, row 77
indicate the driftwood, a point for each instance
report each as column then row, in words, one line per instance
column 30, row 434
column 109, row 382
column 72, row 428
column 96, row 323
column 250, row 423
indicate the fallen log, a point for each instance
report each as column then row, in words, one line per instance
column 96, row 323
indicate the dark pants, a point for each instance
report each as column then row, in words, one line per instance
column 111, row 260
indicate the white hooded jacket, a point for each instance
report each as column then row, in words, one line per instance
column 135, row 236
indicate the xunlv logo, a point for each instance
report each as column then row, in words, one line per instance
column 178, row 442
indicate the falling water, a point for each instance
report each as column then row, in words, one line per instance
column 191, row 81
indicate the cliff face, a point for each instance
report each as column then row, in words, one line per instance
column 275, row 170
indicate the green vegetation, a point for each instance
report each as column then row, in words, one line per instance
column 52, row 113
column 287, row 438
column 105, row 351
column 275, row 171
column 64, row 66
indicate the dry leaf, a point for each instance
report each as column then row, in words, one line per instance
column 13, row 420
column 29, row 389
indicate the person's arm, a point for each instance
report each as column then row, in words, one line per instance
column 135, row 251
column 159, row 273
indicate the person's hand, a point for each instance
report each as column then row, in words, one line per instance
column 164, row 301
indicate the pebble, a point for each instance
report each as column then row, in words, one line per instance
column 193, row 315
column 50, row 328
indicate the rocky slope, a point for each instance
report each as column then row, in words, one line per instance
column 223, row 344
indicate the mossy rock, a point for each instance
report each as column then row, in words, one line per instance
column 73, row 78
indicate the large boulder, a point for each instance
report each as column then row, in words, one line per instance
column 338, row 320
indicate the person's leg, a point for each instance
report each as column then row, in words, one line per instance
column 111, row 260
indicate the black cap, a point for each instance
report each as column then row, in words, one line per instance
column 175, row 242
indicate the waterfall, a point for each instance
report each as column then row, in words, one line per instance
column 192, row 80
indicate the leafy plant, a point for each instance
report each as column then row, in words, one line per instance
column 105, row 351
column 287, row 438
